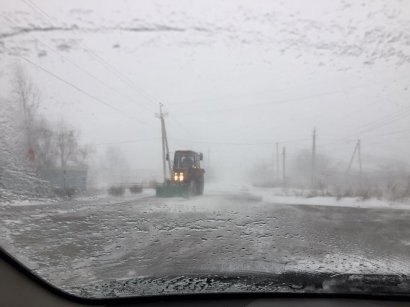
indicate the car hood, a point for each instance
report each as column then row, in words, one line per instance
column 289, row 282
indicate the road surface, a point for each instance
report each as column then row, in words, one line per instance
column 78, row 242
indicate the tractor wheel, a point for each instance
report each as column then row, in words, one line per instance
column 192, row 189
column 200, row 186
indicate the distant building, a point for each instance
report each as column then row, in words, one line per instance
column 71, row 179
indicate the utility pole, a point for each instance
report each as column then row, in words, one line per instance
column 277, row 162
column 313, row 170
column 360, row 158
column 357, row 150
column 165, row 148
column 209, row 158
column 284, row 166
column 352, row 158
column 273, row 168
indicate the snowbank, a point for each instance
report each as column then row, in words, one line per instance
column 294, row 197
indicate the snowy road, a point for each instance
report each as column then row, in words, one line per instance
column 78, row 242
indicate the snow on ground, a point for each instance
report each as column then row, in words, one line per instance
column 28, row 202
column 295, row 197
column 231, row 228
column 102, row 197
column 127, row 196
column 352, row 202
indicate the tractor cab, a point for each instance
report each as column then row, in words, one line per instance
column 187, row 176
column 187, row 167
column 186, row 159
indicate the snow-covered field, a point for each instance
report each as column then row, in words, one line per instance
column 298, row 197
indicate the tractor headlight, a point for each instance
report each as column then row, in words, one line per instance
column 176, row 177
column 181, row 177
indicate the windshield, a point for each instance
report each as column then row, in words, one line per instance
column 184, row 160
column 292, row 118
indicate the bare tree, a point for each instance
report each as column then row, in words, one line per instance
column 83, row 154
column 27, row 96
column 44, row 145
column 17, row 177
column 67, row 148
column 66, row 144
column 47, row 147
column 116, row 165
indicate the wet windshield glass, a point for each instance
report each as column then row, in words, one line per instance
column 155, row 147
column 184, row 160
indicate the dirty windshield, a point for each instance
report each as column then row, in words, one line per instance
column 295, row 117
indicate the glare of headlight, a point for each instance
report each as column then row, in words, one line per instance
column 181, row 177
column 175, row 177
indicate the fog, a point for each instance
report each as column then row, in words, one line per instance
column 235, row 77
column 299, row 109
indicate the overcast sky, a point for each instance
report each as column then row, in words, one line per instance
column 234, row 76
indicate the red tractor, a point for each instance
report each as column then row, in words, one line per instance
column 187, row 178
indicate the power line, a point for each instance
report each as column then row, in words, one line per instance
column 369, row 140
column 295, row 99
column 380, row 123
column 102, row 61
column 121, row 76
column 81, row 90
column 97, row 79
column 270, row 103
column 33, row 5
column 204, row 142
column 106, row 85
column 270, row 143
column 386, row 119
column 42, row 12
column 396, row 132
column 152, row 99
column 187, row 131
column 376, row 124
column 126, row 142
column 225, row 143
column 379, row 141
column 230, row 96
column 93, row 76
column 124, row 78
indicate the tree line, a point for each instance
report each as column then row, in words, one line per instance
column 30, row 143
column 47, row 145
